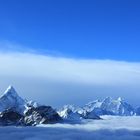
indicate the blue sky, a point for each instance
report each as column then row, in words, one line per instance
column 97, row 42
column 97, row 29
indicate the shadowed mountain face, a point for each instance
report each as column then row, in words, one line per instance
column 11, row 117
column 41, row 115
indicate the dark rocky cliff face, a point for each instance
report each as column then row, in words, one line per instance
column 10, row 117
column 33, row 116
column 41, row 115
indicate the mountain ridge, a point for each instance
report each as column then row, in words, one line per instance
column 12, row 103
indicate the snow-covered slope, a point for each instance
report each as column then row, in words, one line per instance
column 94, row 109
column 110, row 106
column 69, row 112
column 10, row 99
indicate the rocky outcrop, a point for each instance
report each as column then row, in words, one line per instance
column 41, row 115
column 34, row 116
column 11, row 117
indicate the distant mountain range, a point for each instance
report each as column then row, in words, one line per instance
column 97, row 108
column 16, row 111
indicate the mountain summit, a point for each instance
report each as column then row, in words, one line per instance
column 10, row 90
column 110, row 106
column 16, row 111
column 94, row 109
column 10, row 99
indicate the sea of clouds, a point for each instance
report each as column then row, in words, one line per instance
column 110, row 128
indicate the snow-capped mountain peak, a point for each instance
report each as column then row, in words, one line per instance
column 10, row 91
column 10, row 99
column 69, row 112
column 110, row 106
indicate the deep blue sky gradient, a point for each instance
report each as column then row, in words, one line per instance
column 91, row 29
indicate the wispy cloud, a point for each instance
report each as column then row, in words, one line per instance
column 12, row 46
column 75, row 79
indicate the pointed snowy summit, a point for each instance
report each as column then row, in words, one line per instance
column 69, row 112
column 10, row 91
column 10, row 99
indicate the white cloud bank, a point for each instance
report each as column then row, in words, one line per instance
column 116, row 128
column 75, row 70
column 49, row 78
